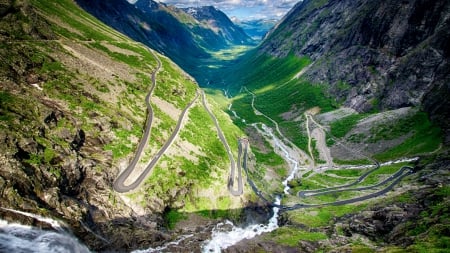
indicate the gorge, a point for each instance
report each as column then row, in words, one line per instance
column 148, row 128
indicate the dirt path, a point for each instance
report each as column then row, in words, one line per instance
column 319, row 135
column 308, row 132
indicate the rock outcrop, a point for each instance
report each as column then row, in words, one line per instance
column 384, row 55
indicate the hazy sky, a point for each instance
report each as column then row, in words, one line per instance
column 242, row 9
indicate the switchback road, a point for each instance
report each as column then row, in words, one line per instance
column 240, row 189
column 396, row 178
column 119, row 184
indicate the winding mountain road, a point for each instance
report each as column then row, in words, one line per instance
column 324, row 191
column 240, row 190
column 394, row 178
column 119, row 184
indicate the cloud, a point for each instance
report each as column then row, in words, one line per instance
column 242, row 9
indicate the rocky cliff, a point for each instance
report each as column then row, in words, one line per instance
column 372, row 54
column 72, row 111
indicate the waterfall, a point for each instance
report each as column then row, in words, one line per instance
column 20, row 239
column 224, row 239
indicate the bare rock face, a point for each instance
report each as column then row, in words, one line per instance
column 381, row 223
column 259, row 245
column 50, row 164
column 389, row 54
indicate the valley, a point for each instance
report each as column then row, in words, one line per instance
column 147, row 128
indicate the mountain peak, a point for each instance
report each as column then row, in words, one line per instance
column 220, row 22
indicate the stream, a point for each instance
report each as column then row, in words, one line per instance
column 224, row 239
column 20, row 239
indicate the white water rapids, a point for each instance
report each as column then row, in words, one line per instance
column 222, row 240
column 20, row 239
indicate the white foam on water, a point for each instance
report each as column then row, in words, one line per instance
column 165, row 246
column 224, row 239
column 21, row 239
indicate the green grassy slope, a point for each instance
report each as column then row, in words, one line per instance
column 64, row 76
column 284, row 98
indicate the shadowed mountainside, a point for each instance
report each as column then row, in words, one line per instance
column 169, row 30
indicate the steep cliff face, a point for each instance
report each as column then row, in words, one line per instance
column 72, row 111
column 372, row 54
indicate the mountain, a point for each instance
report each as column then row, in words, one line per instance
column 396, row 57
column 170, row 30
column 256, row 29
column 220, row 23
column 72, row 112
column 352, row 82
column 340, row 131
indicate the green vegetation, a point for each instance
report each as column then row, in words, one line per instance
column 270, row 158
column 354, row 162
column 346, row 172
column 198, row 133
column 230, row 53
column 325, row 179
column 319, row 217
column 215, row 214
column 172, row 217
column 273, row 160
column 6, row 100
column 242, row 105
column 431, row 230
column 86, row 27
column 332, row 197
column 131, row 60
column 122, row 145
column 295, row 131
column 296, row 95
column 342, row 126
column 173, row 86
column 276, row 71
column 306, row 184
column 400, row 127
column 291, row 236
column 425, row 137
